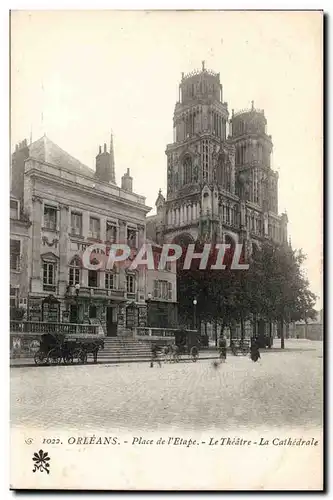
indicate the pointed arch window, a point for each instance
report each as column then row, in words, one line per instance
column 223, row 172
column 187, row 170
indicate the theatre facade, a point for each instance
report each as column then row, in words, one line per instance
column 65, row 208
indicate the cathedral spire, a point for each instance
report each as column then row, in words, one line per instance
column 112, row 164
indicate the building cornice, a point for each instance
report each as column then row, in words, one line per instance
column 60, row 181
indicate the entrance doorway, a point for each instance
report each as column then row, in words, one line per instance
column 73, row 314
column 111, row 321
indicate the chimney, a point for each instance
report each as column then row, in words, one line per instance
column 105, row 165
column 127, row 181
column 19, row 156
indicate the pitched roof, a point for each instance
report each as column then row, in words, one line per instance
column 45, row 150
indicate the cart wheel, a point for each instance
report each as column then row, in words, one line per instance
column 53, row 357
column 81, row 357
column 68, row 359
column 40, row 358
column 194, row 353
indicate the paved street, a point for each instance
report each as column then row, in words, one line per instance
column 283, row 389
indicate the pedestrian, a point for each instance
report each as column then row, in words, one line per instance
column 154, row 355
column 255, row 353
column 223, row 348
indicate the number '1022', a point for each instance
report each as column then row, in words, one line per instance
column 51, row 441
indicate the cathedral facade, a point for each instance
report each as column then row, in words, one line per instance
column 220, row 184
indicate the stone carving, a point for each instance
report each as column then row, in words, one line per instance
column 37, row 199
column 176, row 180
column 52, row 243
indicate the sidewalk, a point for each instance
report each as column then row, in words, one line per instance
column 25, row 362
column 292, row 345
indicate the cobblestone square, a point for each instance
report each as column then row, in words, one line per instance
column 284, row 389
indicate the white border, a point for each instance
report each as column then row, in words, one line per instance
column 121, row 5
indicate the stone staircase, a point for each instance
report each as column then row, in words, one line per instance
column 124, row 349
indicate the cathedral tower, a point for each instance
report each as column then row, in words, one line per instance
column 220, row 184
column 256, row 182
column 201, row 159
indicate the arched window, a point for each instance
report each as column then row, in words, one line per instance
column 75, row 271
column 187, row 170
column 93, row 275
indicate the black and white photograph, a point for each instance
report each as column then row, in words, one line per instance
column 166, row 303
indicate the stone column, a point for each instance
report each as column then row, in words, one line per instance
column 36, row 215
column 103, row 229
column 242, row 215
column 85, row 224
column 184, row 213
column 141, row 276
column 181, row 215
column 141, row 235
column 63, row 248
column 122, row 240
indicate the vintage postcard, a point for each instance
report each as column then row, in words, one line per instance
column 166, row 303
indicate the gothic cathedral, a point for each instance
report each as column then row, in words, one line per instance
column 220, row 184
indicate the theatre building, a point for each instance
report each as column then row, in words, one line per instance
column 67, row 207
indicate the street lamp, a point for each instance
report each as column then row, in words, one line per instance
column 149, row 297
column 194, row 313
column 77, row 291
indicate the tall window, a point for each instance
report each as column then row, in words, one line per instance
column 13, row 296
column 75, row 272
column 76, row 223
column 111, row 232
column 49, row 276
column 187, row 170
column 110, row 281
column 50, row 217
column 130, row 283
column 131, row 237
column 94, row 228
column 162, row 289
column 205, row 160
column 93, row 275
column 15, row 251
column 14, row 213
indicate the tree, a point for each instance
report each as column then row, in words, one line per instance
column 279, row 289
column 220, row 294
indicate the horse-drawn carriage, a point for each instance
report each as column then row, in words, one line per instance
column 240, row 346
column 187, row 342
column 56, row 348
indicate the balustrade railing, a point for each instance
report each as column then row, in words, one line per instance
column 36, row 327
column 155, row 332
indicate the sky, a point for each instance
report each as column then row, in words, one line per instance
column 78, row 75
